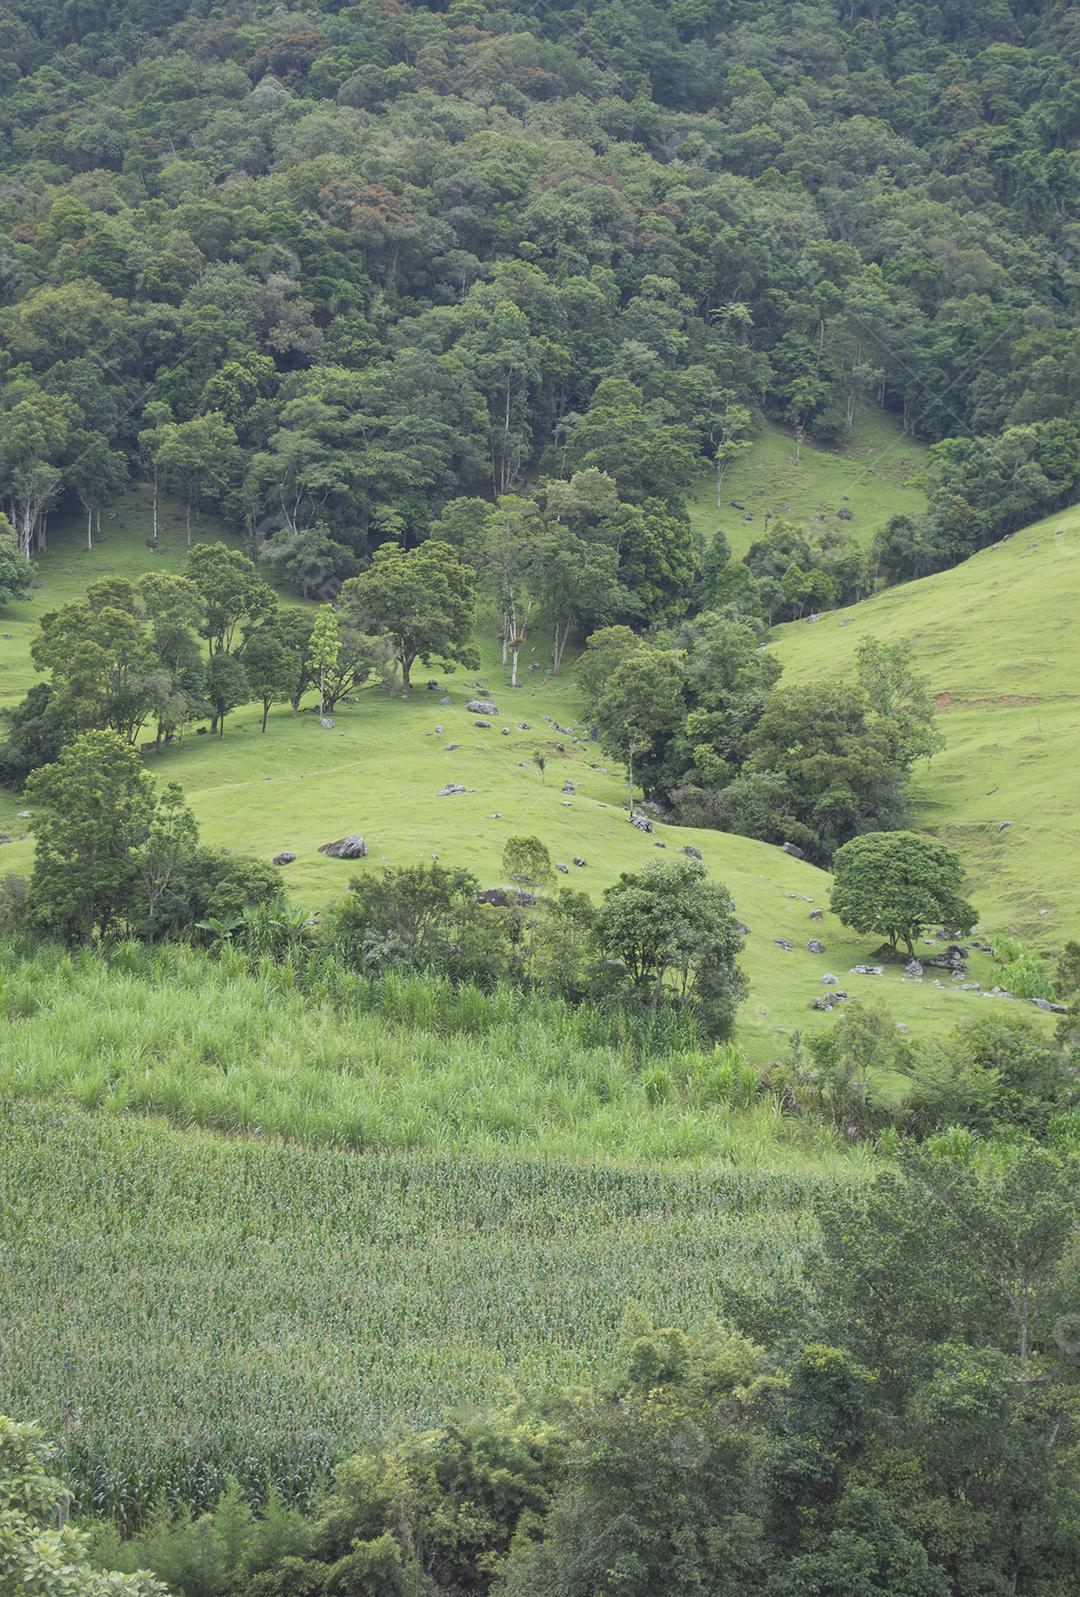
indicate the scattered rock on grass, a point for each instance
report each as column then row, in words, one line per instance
column 782, row 942
column 793, row 850
column 815, row 947
column 691, row 852
column 450, row 788
column 867, row 970
column 482, row 707
column 352, row 847
column 284, row 858
column 816, row 914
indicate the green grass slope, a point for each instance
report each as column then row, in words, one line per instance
column 996, row 640
column 379, row 772
column 871, row 475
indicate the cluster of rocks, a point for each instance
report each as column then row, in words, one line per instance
column 868, row 970
column 642, row 822
column 828, row 1000
column 449, row 789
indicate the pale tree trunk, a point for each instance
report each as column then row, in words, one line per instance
column 189, row 523
column 155, row 512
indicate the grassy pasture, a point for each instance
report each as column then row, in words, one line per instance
column 379, row 771
column 871, row 475
column 996, row 639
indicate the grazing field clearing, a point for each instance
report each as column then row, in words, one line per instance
column 175, row 1307
column 996, row 640
column 379, row 772
column 871, row 475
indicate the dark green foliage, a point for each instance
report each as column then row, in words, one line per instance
column 898, row 884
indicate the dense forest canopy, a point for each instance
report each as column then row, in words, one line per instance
column 337, row 267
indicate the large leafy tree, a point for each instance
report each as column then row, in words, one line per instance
column 674, row 932
column 91, row 812
column 422, row 599
column 896, row 884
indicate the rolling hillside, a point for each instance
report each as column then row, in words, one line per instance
column 379, row 772
column 996, row 640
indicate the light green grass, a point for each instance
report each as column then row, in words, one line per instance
column 175, row 1307
column 379, row 770
column 996, row 639
column 870, row 475
column 398, row 1063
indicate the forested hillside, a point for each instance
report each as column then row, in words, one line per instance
column 335, row 268
column 539, row 964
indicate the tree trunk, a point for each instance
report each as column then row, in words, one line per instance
column 155, row 532
column 89, row 526
column 266, row 712
column 630, row 781
column 515, row 651
column 406, row 674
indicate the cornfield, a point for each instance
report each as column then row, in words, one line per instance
column 176, row 1306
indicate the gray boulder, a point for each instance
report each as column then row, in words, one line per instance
column 352, row 847
column 868, row 970
column 691, row 852
column 284, row 858
column 913, row 968
column 816, row 914
column 326, row 723
column 578, row 860
column 449, row 789
column 446, row 699
column 815, row 947
column 782, row 942
column 482, row 707
column 829, row 980
column 564, row 870
column 485, row 724
column 793, row 850
column 503, row 897
column 642, row 822
column 450, row 747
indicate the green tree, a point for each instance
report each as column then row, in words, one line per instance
column 899, row 699
column 16, row 572
column 236, row 600
column 324, row 649
column 196, row 458
column 41, row 1554
column 271, row 669
column 896, row 884
column 423, row 599
column 227, row 686
column 526, row 861
column 91, row 811
column 674, row 931
column 642, row 703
